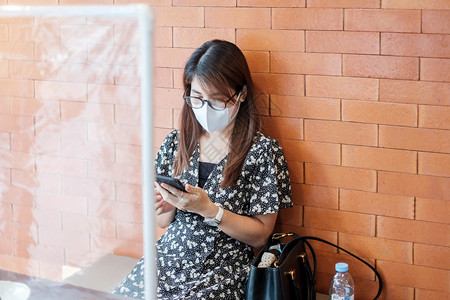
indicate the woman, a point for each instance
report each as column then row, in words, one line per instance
column 236, row 180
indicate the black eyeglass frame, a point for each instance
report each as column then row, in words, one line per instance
column 188, row 102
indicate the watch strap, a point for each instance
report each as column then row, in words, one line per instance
column 217, row 219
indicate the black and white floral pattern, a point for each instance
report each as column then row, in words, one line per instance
column 197, row 261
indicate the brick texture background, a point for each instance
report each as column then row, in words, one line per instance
column 356, row 92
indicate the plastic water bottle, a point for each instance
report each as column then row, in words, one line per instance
column 341, row 285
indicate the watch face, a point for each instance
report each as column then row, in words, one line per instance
column 212, row 223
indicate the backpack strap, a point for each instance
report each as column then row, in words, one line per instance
column 312, row 291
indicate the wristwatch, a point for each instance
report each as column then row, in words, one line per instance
column 217, row 219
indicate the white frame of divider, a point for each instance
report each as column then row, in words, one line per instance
column 144, row 16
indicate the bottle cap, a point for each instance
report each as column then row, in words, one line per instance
column 341, row 267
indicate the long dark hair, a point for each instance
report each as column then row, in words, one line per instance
column 222, row 65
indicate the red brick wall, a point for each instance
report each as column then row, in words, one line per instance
column 357, row 93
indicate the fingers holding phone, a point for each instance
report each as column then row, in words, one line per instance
column 172, row 190
column 161, row 206
column 170, row 194
column 186, row 198
column 172, row 182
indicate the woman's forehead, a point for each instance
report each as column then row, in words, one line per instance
column 202, row 87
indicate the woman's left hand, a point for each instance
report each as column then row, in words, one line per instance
column 194, row 200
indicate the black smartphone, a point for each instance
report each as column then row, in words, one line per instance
column 171, row 181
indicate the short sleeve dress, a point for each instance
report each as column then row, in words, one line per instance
column 197, row 261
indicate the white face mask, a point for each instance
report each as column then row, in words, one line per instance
column 213, row 120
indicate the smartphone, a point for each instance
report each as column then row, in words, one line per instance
column 170, row 180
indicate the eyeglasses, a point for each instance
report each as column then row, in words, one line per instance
column 196, row 102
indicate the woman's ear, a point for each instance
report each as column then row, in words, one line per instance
column 243, row 94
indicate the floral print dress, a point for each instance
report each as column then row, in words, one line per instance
column 197, row 261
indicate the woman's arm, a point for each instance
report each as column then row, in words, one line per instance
column 252, row 230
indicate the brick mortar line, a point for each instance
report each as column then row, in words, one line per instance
column 417, row 163
column 304, row 40
column 379, row 43
column 303, row 216
column 421, row 20
column 339, row 199
column 378, row 135
column 304, row 85
column 304, row 172
column 376, row 226
column 377, row 181
column 419, row 60
column 303, row 133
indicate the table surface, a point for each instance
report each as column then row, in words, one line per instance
column 321, row 297
column 52, row 290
